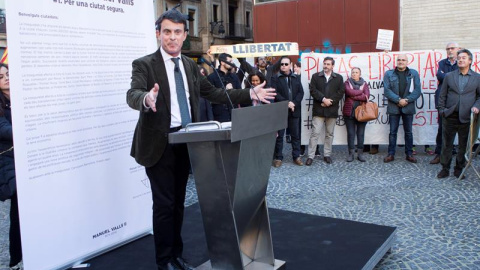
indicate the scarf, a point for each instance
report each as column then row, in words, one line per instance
column 356, row 84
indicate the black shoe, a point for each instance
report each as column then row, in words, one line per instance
column 327, row 160
column 443, row 173
column 309, row 162
column 288, row 138
column 182, row 264
column 457, row 172
column 317, row 152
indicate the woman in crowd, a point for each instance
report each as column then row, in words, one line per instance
column 356, row 91
column 7, row 169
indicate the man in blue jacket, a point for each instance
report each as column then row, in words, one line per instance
column 444, row 66
column 401, row 88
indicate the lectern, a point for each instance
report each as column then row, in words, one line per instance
column 231, row 169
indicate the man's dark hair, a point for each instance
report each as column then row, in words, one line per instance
column 285, row 57
column 470, row 55
column 172, row 15
column 329, row 58
column 223, row 57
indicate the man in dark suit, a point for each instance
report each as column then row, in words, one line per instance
column 289, row 88
column 165, row 88
column 459, row 96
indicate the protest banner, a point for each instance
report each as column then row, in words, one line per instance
column 257, row 49
column 373, row 66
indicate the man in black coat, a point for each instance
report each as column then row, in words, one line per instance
column 223, row 77
column 459, row 96
column 165, row 89
column 326, row 89
column 289, row 88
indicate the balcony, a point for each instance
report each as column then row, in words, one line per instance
column 238, row 31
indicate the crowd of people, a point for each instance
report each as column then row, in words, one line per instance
column 454, row 101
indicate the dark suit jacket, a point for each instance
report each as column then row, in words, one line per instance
column 450, row 96
column 281, row 87
column 319, row 89
column 151, row 132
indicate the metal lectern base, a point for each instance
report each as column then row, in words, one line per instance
column 279, row 265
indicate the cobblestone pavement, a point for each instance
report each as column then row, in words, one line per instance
column 437, row 220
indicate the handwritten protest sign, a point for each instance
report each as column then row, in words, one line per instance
column 373, row 66
column 384, row 39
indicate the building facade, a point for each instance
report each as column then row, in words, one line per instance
column 213, row 22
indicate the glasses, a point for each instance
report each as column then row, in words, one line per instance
column 451, row 48
column 284, row 64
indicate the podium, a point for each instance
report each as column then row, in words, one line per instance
column 231, row 169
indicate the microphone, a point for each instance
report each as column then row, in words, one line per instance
column 229, row 63
column 208, row 62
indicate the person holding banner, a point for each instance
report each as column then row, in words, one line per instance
column 459, row 96
column 401, row 88
column 7, row 169
column 444, row 66
column 326, row 89
column 165, row 89
column 356, row 91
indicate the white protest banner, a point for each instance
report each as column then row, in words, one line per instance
column 385, row 39
column 257, row 49
column 80, row 193
column 373, row 66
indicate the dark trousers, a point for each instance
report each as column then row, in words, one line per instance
column 451, row 126
column 168, row 181
column 15, row 240
column 438, row 139
column 355, row 127
column 293, row 127
column 407, row 120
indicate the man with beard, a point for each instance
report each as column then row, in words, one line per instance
column 326, row 89
column 289, row 88
column 224, row 78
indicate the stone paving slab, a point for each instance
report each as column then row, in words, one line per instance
column 437, row 220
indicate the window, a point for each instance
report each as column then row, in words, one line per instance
column 247, row 19
column 215, row 13
column 192, row 21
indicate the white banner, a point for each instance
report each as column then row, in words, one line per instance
column 79, row 190
column 373, row 66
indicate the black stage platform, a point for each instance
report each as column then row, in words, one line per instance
column 303, row 241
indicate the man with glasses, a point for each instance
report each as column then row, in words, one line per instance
column 444, row 66
column 459, row 96
column 289, row 88
column 401, row 88
column 326, row 89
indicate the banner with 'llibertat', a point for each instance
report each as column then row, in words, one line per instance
column 257, row 49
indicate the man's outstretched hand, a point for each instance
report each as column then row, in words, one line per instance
column 263, row 94
column 151, row 98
